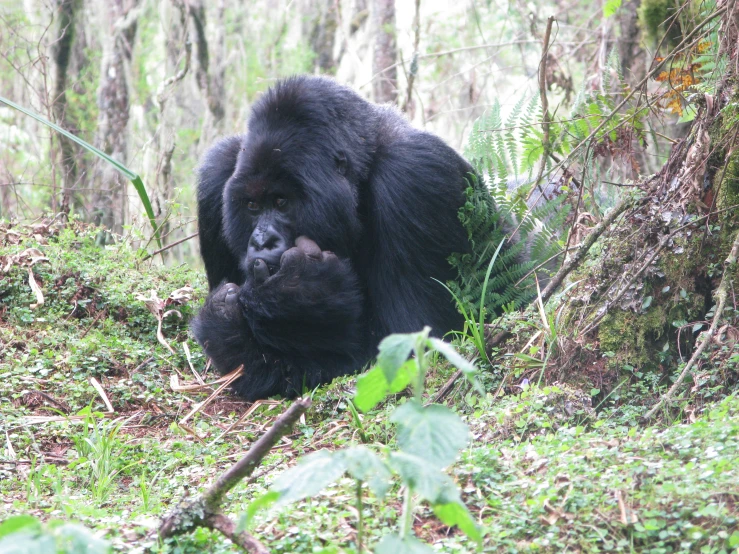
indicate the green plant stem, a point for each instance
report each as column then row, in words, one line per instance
column 406, row 523
column 360, row 518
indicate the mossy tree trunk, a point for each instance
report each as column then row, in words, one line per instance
column 649, row 300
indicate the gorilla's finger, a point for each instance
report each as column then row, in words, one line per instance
column 232, row 295
column 308, row 247
column 291, row 255
column 261, row 271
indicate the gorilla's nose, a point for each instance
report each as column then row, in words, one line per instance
column 267, row 240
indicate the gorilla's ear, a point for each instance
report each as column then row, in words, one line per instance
column 341, row 162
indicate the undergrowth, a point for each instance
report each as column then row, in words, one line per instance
column 548, row 468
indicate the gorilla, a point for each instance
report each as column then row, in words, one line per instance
column 323, row 229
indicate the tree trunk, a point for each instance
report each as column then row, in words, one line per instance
column 109, row 199
column 630, row 51
column 324, row 21
column 385, row 84
column 209, row 82
column 61, row 54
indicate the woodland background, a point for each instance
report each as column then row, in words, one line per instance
column 604, row 415
column 154, row 83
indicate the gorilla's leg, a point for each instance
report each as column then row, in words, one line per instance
column 227, row 338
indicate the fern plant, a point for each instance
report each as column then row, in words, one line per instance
column 505, row 153
column 486, row 230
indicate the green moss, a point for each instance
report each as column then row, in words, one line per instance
column 633, row 337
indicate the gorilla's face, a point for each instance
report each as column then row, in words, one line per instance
column 273, row 197
column 260, row 210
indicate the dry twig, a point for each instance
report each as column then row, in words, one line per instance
column 204, row 511
column 727, row 282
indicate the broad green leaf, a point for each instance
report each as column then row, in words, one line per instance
column 312, row 474
column 393, row 544
column 77, row 539
column 434, row 433
column 428, row 482
column 25, row 543
column 372, row 387
column 403, row 377
column 456, row 513
column 454, row 357
column 458, row 361
column 363, row 464
column 15, row 523
column 394, row 351
column 610, row 7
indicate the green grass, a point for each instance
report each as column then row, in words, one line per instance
column 543, row 473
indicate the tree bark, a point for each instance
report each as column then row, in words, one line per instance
column 61, row 54
column 211, row 86
column 385, row 84
column 324, row 18
column 109, row 199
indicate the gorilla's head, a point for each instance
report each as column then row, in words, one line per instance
column 298, row 173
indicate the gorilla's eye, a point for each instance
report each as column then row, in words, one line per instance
column 280, row 202
column 253, row 206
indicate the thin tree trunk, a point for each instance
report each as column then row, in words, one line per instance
column 324, row 20
column 62, row 52
column 385, row 84
column 109, row 201
column 210, row 86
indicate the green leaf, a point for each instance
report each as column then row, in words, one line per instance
column 456, row 513
column 130, row 175
column 393, row 544
column 610, row 7
column 23, row 543
column 372, row 387
column 15, row 523
column 261, row 502
column 363, row 464
column 394, row 351
column 434, row 433
column 312, row 474
column 457, row 360
column 77, row 539
column 429, row 482
column 403, row 378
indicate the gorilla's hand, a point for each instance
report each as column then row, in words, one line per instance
column 310, row 285
column 221, row 328
column 298, row 265
column 224, row 302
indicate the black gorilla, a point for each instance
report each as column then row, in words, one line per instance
column 323, row 230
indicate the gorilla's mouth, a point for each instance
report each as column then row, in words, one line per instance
column 264, row 269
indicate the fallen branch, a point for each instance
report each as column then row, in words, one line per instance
column 204, row 511
column 727, row 281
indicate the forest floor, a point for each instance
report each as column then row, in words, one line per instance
column 97, row 429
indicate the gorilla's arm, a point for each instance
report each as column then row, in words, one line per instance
column 217, row 167
column 292, row 331
column 416, row 186
column 311, row 306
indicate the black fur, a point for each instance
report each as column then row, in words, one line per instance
column 322, row 231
